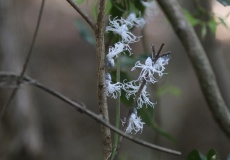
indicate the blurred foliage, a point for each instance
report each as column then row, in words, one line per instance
column 85, row 32
column 173, row 90
column 224, row 2
column 197, row 18
column 196, row 155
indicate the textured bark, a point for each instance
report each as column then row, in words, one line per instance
column 102, row 99
column 200, row 63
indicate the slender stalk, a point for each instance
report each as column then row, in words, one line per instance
column 118, row 102
column 101, row 85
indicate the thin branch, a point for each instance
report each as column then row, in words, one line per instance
column 80, row 107
column 200, row 62
column 84, row 16
column 26, row 61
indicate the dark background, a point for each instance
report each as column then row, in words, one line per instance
column 39, row 126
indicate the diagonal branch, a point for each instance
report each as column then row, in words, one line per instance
column 200, row 62
column 80, row 107
column 84, row 16
column 26, row 61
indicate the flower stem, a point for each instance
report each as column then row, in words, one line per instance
column 118, row 102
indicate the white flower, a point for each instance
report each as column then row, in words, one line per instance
column 150, row 68
column 120, row 27
column 119, row 47
column 112, row 90
column 134, row 123
column 160, row 63
column 147, row 71
column 144, row 99
column 132, row 87
column 138, row 22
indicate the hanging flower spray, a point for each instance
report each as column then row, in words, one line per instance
column 154, row 65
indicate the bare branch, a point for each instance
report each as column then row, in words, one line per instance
column 84, row 16
column 26, row 61
column 80, row 107
column 199, row 61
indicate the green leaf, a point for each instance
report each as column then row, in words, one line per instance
column 196, row 155
column 95, row 9
column 85, row 32
column 212, row 155
column 212, row 25
column 108, row 7
column 79, row 1
column 146, row 114
column 224, row 2
column 190, row 18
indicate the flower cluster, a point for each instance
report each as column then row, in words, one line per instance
column 121, row 27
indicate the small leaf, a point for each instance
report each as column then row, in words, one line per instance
column 190, row 18
column 195, row 155
column 95, row 9
column 224, row 2
column 85, row 32
column 108, row 7
column 212, row 25
column 212, row 155
column 79, row 1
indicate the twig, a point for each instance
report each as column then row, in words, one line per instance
column 200, row 62
column 80, row 107
column 26, row 62
column 84, row 16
